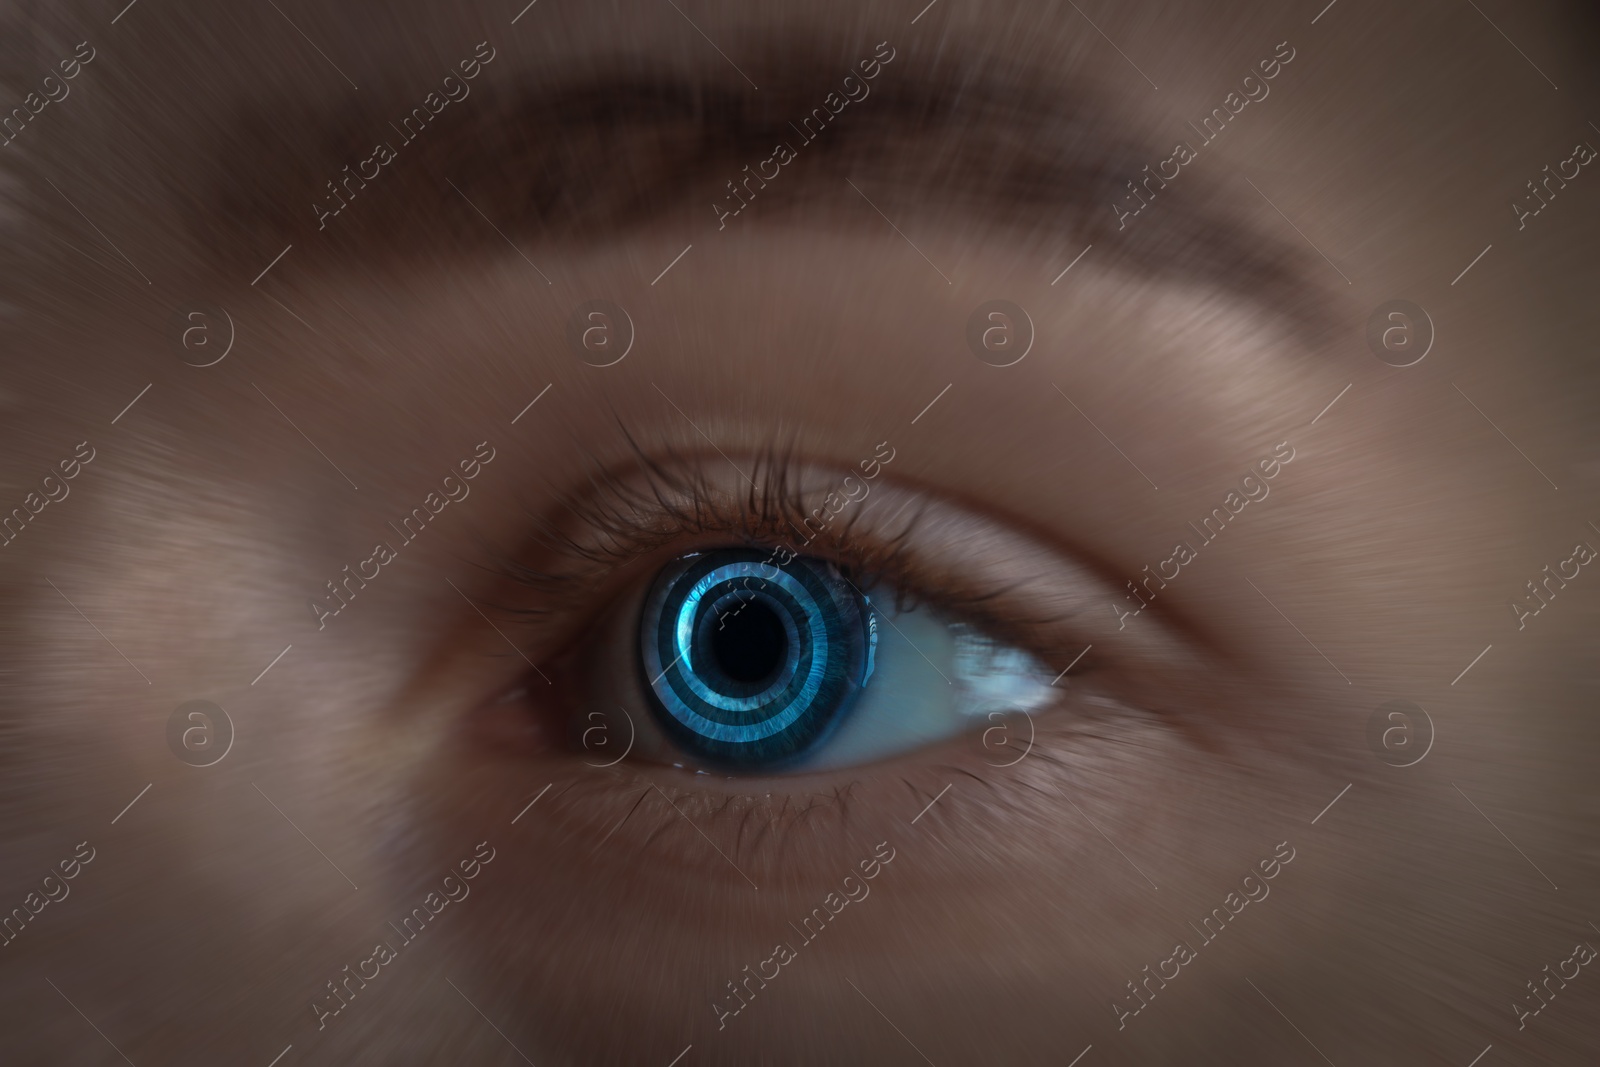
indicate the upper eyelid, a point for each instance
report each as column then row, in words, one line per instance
column 979, row 569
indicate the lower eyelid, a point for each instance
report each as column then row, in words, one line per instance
column 706, row 831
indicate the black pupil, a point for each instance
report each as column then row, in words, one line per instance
column 749, row 642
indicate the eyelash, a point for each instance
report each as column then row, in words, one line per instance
column 621, row 522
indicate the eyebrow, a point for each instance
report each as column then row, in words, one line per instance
column 536, row 159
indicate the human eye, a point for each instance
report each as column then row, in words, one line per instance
column 756, row 665
column 820, row 621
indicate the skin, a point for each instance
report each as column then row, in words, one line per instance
column 1205, row 735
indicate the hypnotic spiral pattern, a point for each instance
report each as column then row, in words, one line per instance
column 752, row 664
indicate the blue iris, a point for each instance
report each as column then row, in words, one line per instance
column 753, row 664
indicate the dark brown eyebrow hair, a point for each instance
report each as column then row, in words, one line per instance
column 633, row 144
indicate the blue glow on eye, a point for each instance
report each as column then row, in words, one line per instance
column 752, row 665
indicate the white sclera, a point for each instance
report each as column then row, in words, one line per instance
column 933, row 680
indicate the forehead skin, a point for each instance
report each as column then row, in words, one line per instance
column 1390, row 145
